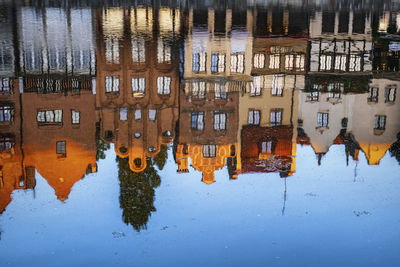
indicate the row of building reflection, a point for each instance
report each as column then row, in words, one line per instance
column 241, row 93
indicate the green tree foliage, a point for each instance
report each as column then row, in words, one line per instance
column 137, row 193
column 161, row 157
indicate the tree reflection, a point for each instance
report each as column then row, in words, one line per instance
column 395, row 149
column 101, row 146
column 137, row 192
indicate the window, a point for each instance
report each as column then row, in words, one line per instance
column 325, row 62
column 49, row 86
column 313, row 96
column 6, row 143
column 123, row 114
column 218, row 63
column 163, row 52
column 340, row 62
column 322, row 119
column 259, row 61
column 335, row 90
column 220, row 91
column 198, row 90
column 4, row 86
column 81, row 59
column 254, row 117
column 289, row 62
column 274, row 61
column 380, row 122
column 219, row 120
column 75, row 87
column 60, row 148
column 152, row 114
column 112, row 84
column 198, row 121
column 355, row 63
column 209, row 151
column 164, row 85
column 138, row 51
column 138, row 114
column 390, row 94
column 50, row 116
column 237, row 63
column 256, row 85
column 76, row 116
column 6, row 113
column 57, row 58
column 300, row 62
column 266, row 147
column 276, row 117
column 138, row 85
column 373, row 94
column 199, row 62
column 112, row 50
column 277, row 85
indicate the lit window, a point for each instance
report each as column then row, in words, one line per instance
column 199, row 62
column 198, row 90
column 276, row 117
column 220, row 91
column 380, row 122
column 254, row 117
column 49, row 116
column 112, row 50
column 325, row 62
column 390, row 94
column 340, row 62
column 277, row 85
column 274, row 61
column 138, row 85
column 237, row 63
column 112, row 84
column 6, row 113
column 218, row 63
column 300, row 62
column 322, row 119
column 289, row 62
column 123, row 114
column 138, row 50
column 198, row 120
column 259, row 61
column 163, row 52
column 209, row 151
column 61, row 148
column 373, row 94
column 219, row 120
column 76, row 116
column 256, row 85
column 355, row 63
column 152, row 114
column 164, row 85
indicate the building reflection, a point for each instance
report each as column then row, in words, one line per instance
column 138, row 80
column 237, row 89
column 137, row 97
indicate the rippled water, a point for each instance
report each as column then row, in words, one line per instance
column 199, row 133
